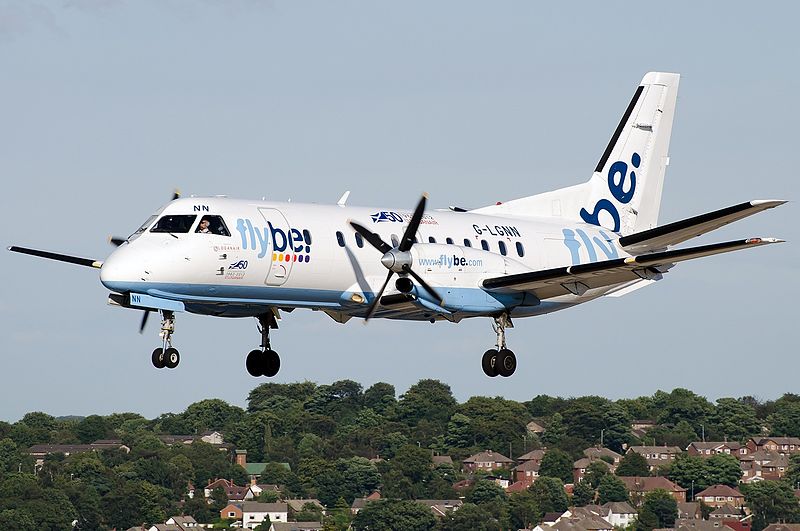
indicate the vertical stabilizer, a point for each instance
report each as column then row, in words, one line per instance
column 624, row 192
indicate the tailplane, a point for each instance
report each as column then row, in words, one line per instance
column 624, row 192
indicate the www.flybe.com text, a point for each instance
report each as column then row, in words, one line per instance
column 449, row 262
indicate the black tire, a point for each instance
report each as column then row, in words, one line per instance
column 489, row 363
column 254, row 364
column 171, row 358
column 506, row 363
column 272, row 363
column 158, row 358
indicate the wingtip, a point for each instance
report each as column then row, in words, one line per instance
column 770, row 203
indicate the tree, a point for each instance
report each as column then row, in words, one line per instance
column 459, row 431
column 413, row 462
column 723, row 469
column 633, row 464
column 268, row 496
column 611, row 489
column 681, row 404
column 485, row 491
column 381, row 398
column 392, row 514
column 660, row 507
column 770, row 502
column 549, row 495
column 522, row 510
column 557, row 464
column 427, row 399
column 595, row 472
column 701, row 473
column 309, row 512
column 555, row 430
column 469, row 517
column 734, row 420
column 211, row 414
column 583, row 494
column 785, row 421
column 792, row 476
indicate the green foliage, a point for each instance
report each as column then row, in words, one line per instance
column 495, row 422
column 394, row 515
column 611, row 489
column 485, row 491
column 680, row 435
column 549, row 495
column 681, row 404
column 268, row 496
column 595, row 472
column 555, row 431
column 633, row 464
column 733, row 420
column 583, row 494
column 557, row 464
column 427, row 399
column 770, row 502
column 523, row 510
column 792, row 476
column 785, row 421
column 469, row 517
column 659, row 510
column 701, row 472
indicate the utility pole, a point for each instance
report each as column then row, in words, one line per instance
column 602, row 431
column 703, row 427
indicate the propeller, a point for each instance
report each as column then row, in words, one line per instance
column 144, row 320
column 397, row 259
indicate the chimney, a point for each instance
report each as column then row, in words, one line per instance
column 241, row 458
column 252, row 481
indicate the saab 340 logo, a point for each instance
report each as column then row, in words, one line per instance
column 622, row 186
column 385, row 216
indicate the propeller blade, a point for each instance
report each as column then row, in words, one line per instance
column 144, row 320
column 408, row 236
column 176, row 194
column 374, row 304
column 424, row 284
column 371, row 237
column 115, row 240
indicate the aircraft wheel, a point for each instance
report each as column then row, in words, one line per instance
column 272, row 363
column 489, row 363
column 506, row 363
column 253, row 363
column 171, row 358
column 158, row 358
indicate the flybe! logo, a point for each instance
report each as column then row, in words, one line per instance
column 294, row 246
column 622, row 186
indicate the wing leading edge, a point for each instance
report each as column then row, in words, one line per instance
column 578, row 279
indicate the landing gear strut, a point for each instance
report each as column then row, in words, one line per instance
column 166, row 355
column 500, row 360
column 264, row 361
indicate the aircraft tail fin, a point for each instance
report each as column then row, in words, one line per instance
column 624, row 192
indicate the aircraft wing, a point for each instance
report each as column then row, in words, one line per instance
column 578, row 279
column 674, row 233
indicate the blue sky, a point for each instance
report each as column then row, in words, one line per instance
column 107, row 105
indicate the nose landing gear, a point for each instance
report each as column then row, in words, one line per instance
column 264, row 361
column 500, row 361
column 166, row 355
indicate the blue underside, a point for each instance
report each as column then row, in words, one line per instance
column 246, row 301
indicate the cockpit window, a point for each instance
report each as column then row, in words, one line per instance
column 143, row 228
column 174, row 223
column 212, row 225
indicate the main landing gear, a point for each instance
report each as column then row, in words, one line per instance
column 166, row 355
column 500, row 360
column 264, row 361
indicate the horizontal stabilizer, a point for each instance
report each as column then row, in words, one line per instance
column 680, row 231
column 578, row 279
column 88, row 262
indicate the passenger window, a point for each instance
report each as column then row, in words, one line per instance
column 431, row 239
column 212, row 225
column 340, row 238
column 502, row 246
column 449, row 241
column 174, row 223
column 467, row 243
column 485, row 245
column 520, row 249
column 359, row 240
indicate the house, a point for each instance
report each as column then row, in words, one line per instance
column 296, row 505
column 700, row 525
column 441, row 507
column 782, row 445
column 517, row 486
column 253, row 513
column 596, row 452
column 296, row 526
column 619, row 514
column 689, row 510
column 487, row 461
column 360, row 503
column 164, row 527
column 656, row 455
column 639, row 486
column 184, row 522
column 526, row 472
column 583, row 523
column 719, row 495
column 235, row 493
column 533, row 455
column 257, row 488
column 726, row 512
column 782, row 527
column 254, row 470
column 40, row 451
column 232, row 511
column 534, row 428
column 579, row 468
column 707, row 449
column 640, row 427
column 442, row 460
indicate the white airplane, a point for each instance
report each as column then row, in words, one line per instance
column 530, row 256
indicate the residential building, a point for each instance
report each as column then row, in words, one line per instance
column 534, row 428
column 579, row 468
column 707, row 449
column 533, row 455
column 441, row 507
column 232, row 511
column 781, row 445
column 442, row 460
column 596, row 452
column 487, row 461
column 360, row 503
column 726, row 512
column 297, row 504
column 619, row 514
column 234, row 492
column 689, row 510
column 526, row 472
column 253, row 513
column 640, row 427
column 656, row 455
column 184, row 522
column 782, row 527
column 719, row 495
column 639, row 486
column 296, row 526
column 699, row 525
column 39, row 451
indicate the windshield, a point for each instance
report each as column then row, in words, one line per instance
column 174, row 224
column 143, row 228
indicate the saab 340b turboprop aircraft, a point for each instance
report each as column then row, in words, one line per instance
column 526, row 257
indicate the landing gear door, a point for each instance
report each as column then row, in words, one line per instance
column 280, row 252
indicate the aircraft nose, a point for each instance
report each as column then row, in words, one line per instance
column 116, row 273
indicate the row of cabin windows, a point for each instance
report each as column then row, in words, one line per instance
column 501, row 245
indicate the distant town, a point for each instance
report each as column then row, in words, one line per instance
column 310, row 457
